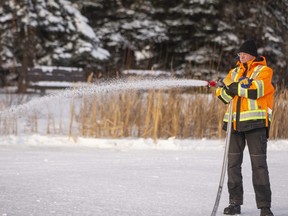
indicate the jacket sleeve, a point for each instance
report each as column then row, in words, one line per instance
column 225, row 94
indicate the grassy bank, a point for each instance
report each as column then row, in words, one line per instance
column 188, row 113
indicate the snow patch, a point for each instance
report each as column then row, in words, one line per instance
column 171, row 144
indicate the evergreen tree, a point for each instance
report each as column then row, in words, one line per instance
column 266, row 22
column 195, row 38
column 50, row 32
column 276, row 37
column 127, row 30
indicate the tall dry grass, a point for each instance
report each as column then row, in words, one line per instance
column 163, row 114
column 150, row 114
column 278, row 129
column 189, row 113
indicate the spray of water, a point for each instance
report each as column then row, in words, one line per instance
column 99, row 89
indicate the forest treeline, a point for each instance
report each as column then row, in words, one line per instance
column 189, row 38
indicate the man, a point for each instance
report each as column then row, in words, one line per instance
column 249, row 84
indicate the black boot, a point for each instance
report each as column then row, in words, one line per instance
column 232, row 209
column 266, row 212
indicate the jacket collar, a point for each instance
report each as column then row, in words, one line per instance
column 261, row 60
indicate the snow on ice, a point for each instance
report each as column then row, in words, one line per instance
column 49, row 175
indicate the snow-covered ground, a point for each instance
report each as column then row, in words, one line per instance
column 48, row 175
column 43, row 175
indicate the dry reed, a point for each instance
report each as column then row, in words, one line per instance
column 163, row 114
column 149, row 114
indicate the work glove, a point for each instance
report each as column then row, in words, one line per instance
column 227, row 81
column 245, row 82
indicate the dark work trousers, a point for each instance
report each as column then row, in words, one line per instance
column 257, row 146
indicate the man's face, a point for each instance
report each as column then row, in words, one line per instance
column 245, row 57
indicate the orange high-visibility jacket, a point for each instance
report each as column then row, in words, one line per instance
column 252, row 106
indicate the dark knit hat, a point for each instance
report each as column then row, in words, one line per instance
column 249, row 47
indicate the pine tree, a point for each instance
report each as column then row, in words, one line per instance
column 267, row 23
column 127, row 30
column 195, row 38
column 50, row 32
column 276, row 37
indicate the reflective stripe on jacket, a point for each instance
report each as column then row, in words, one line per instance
column 252, row 107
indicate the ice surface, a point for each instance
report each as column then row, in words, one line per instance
column 41, row 175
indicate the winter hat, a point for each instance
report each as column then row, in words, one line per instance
column 249, row 47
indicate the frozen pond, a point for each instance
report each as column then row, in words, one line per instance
column 62, row 180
